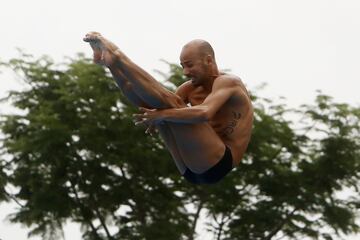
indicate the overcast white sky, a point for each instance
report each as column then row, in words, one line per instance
column 296, row 47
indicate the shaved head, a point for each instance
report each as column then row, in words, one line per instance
column 202, row 47
column 197, row 59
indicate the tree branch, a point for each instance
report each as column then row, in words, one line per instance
column 12, row 197
column 220, row 229
column 82, row 210
column 196, row 217
column 103, row 224
column 281, row 224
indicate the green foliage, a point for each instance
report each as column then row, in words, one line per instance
column 3, row 182
column 76, row 155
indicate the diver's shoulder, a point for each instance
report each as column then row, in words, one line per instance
column 234, row 82
column 228, row 79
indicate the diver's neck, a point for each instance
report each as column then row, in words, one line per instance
column 211, row 78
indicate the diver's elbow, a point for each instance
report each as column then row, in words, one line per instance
column 206, row 115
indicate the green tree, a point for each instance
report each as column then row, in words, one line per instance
column 297, row 174
column 74, row 154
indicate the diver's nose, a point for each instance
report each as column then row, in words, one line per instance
column 186, row 72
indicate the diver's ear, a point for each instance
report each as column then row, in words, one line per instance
column 208, row 59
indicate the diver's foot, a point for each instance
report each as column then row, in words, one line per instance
column 102, row 48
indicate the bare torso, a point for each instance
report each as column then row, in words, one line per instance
column 233, row 122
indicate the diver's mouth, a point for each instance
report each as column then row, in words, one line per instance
column 192, row 79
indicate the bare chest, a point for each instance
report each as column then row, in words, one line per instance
column 197, row 97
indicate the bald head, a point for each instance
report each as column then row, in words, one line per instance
column 201, row 47
column 197, row 59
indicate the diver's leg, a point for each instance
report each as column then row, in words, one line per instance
column 197, row 145
column 163, row 129
column 193, row 146
column 121, row 67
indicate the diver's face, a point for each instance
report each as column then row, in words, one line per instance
column 194, row 65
